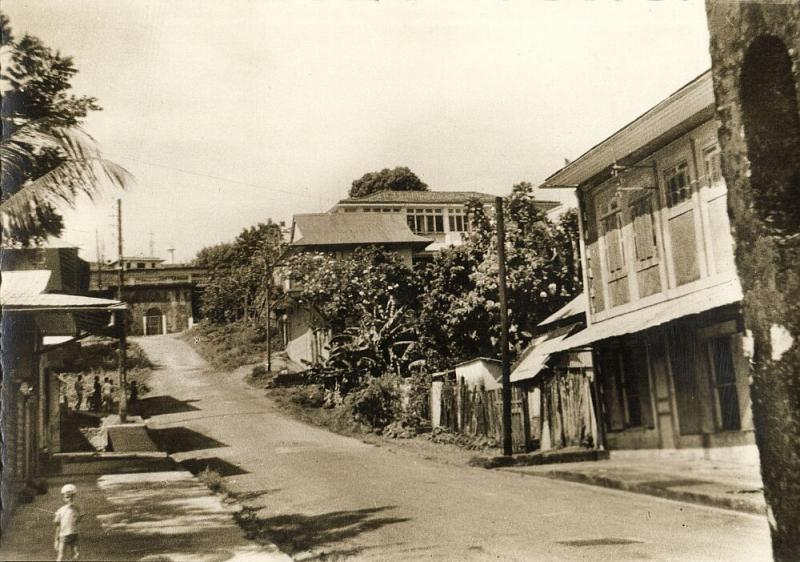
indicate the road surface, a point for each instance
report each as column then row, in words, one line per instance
column 324, row 496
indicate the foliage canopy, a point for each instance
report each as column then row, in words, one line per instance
column 397, row 179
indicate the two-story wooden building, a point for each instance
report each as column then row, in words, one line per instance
column 663, row 320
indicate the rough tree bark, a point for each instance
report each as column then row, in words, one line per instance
column 756, row 69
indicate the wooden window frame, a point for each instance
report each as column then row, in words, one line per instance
column 654, row 259
column 602, row 216
column 669, row 174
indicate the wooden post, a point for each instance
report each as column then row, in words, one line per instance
column 120, row 318
column 501, row 262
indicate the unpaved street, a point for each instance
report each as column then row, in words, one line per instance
column 324, row 495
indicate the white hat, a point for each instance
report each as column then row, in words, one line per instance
column 69, row 489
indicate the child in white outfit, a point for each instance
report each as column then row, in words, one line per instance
column 66, row 522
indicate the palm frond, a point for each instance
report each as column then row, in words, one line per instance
column 80, row 168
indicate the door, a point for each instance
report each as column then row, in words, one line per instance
column 153, row 324
column 660, row 373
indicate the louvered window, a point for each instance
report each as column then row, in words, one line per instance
column 713, row 166
column 615, row 251
column 644, row 229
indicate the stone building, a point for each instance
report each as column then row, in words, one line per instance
column 755, row 54
column 162, row 298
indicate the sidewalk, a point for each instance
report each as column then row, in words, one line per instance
column 717, row 484
column 134, row 509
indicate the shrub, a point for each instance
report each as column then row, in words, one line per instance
column 312, row 396
column 212, row 479
column 378, row 402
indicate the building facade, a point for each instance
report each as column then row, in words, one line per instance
column 664, row 321
column 438, row 215
column 163, row 298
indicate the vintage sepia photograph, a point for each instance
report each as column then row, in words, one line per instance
column 400, row 280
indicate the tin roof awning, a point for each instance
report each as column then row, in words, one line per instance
column 22, row 291
column 726, row 293
column 537, row 354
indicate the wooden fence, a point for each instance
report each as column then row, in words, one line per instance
column 479, row 412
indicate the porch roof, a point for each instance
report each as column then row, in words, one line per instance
column 706, row 299
column 23, row 291
column 537, row 354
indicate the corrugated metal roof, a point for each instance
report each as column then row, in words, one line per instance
column 538, row 352
column 347, row 229
column 575, row 307
column 695, row 97
column 656, row 315
column 23, row 290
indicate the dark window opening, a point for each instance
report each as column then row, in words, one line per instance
column 725, row 382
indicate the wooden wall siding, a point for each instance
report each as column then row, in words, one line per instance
column 619, row 292
column 567, row 407
column 596, row 291
column 720, row 234
column 649, row 281
column 684, row 248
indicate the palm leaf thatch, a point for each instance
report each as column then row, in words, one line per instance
column 77, row 167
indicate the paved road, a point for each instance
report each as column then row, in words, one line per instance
column 331, row 497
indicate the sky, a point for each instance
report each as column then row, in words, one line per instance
column 232, row 113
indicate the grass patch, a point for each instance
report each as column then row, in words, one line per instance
column 229, row 346
column 212, row 479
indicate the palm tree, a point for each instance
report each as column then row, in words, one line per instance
column 45, row 156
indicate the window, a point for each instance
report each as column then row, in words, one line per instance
column 615, row 249
column 713, row 166
column 644, row 231
column 425, row 220
column 140, row 265
column 679, row 187
column 457, row 222
column 728, row 416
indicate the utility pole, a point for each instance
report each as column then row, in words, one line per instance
column 501, row 261
column 269, row 319
column 99, row 260
column 123, row 382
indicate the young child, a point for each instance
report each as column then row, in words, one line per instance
column 66, row 522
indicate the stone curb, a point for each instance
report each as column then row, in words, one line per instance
column 643, row 488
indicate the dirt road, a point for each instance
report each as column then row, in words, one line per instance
column 326, row 496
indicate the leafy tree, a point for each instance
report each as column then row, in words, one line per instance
column 343, row 290
column 398, row 179
column 46, row 157
column 460, row 309
column 240, row 274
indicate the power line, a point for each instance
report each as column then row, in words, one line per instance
column 213, row 177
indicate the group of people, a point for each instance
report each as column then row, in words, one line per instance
column 102, row 397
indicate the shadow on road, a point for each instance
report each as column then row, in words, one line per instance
column 159, row 405
column 298, row 533
column 182, row 440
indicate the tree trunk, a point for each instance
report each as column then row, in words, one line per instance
column 754, row 50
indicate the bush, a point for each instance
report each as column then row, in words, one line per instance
column 417, row 413
column 378, row 402
column 312, row 396
column 212, row 479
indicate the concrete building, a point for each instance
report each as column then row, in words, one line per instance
column 163, row 298
column 438, row 215
column 663, row 318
